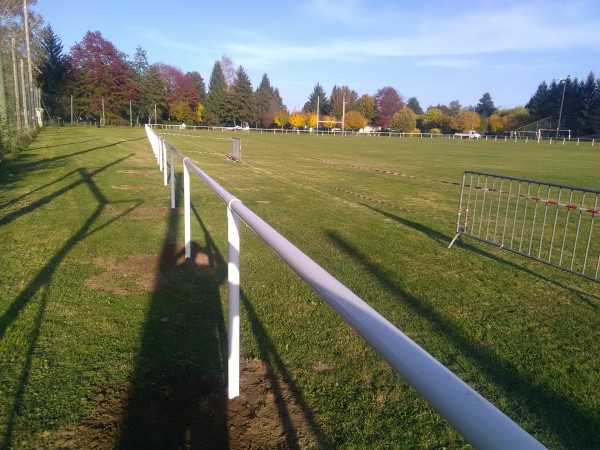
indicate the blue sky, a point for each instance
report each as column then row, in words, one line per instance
column 437, row 51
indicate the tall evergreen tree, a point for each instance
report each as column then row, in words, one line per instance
column 311, row 105
column 139, row 69
column 52, row 71
column 415, row 106
column 486, row 106
column 198, row 82
column 239, row 105
column 268, row 102
column 538, row 103
column 152, row 94
column 217, row 89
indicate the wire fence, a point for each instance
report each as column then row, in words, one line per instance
column 385, row 134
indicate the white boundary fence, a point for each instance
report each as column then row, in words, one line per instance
column 382, row 134
column 480, row 422
column 549, row 222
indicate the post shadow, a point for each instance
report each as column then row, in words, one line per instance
column 178, row 397
column 268, row 353
column 569, row 420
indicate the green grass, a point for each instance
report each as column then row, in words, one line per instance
column 524, row 334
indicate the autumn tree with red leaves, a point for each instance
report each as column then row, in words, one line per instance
column 100, row 73
column 388, row 102
column 180, row 93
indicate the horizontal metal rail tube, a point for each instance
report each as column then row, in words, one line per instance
column 527, row 180
column 479, row 422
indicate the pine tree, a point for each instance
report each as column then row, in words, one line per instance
column 152, row 94
column 52, row 71
column 239, row 106
column 311, row 105
column 198, row 82
column 415, row 106
column 486, row 106
column 217, row 89
column 268, row 102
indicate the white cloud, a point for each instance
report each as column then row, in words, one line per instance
column 533, row 27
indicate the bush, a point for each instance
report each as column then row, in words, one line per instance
column 435, row 131
column 12, row 141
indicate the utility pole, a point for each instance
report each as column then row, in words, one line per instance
column 343, row 115
column 3, row 116
column 24, row 93
column 16, row 80
column 29, row 69
column 564, row 81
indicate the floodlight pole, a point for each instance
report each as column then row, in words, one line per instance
column 564, row 80
column 343, row 114
column 318, row 107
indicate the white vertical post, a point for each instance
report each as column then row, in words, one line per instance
column 172, row 179
column 164, row 158
column 161, row 144
column 233, row 289
column 186, row 210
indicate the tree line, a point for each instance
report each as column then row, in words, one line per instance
column 95, row 81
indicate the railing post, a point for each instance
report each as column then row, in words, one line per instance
column 186, row 210
column 172, row 179
column 159, row 153
column 233, row 289
column 164, row 158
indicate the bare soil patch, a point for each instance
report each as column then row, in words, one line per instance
column 196, row 414
column 126, row 274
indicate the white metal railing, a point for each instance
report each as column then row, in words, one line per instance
column 480, row 422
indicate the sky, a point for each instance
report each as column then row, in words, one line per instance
column 435, row 50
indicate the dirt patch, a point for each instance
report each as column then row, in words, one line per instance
column 122, row 275
column 195, row 414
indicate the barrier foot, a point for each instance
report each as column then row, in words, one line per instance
column 458, row 235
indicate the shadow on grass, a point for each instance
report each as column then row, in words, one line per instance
column 178, row 398
column 268, row 353
column 16, row 170
column 575, row 426
column 41, row 284
column 445, row 240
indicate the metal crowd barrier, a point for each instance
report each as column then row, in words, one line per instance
column 549, row 222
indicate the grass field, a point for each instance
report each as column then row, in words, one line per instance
column 91, row 298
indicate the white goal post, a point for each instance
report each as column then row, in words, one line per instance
column 331, row 121
column 547, row 133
